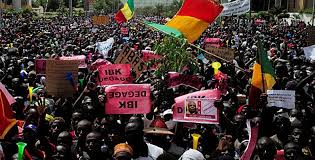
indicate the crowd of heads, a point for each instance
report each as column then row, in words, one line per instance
column 82, row 130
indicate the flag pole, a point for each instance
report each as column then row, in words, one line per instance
column 261, row 69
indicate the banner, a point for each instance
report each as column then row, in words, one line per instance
column 128, row 99
column 253, row 136
column 225, row 53
column 128, row 56
column 61, row 77
column 214, row 42
column 175, row 79
column 80, row 58
column 124, row 30
column 238, row 7
column 40, row 66
column 104, row 47
column 114, row 74
column 180, row 115
column 100, row 20
column 309, row 52
column 281, row 99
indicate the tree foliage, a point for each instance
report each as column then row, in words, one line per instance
column 175, row 56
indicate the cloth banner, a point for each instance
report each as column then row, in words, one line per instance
column 80, row 58
column 309, row 52
column 175, row 79
column 104, row 47
column 128, row 99
column 114, row 74
column 281, row 99
column 40, row 66
column 179, row 107
column 253, row 135
column 149, row 55
column 238, row 7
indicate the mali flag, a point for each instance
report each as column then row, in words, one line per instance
column 126, row 13
column 6, row 115
column 192, row 19
column 263, row 77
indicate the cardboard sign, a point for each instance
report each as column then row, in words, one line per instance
column 179, row 107
column 128, row 56
column 40, row 66
column 58, row 74
column 253, row 135
column 281, row 99
column 114, row 74
column 225, row 53
column 128, row 99
column 201, row 108
column 100, row 20
column 80, row 58
column 124, row 30
column 175, row 79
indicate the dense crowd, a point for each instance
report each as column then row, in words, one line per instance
column 82, row 131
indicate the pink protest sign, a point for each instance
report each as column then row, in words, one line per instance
column 175, row 79
column 149, row 55
column 114, row 74
column 40, row 66
column 80, row 58
column 128, row 99
column 215, row 42
column 124, row 30
column 182, row 112
column 98, row 63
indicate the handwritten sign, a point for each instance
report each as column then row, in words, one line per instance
column 100, row 20
column 175, row 79
column 179, row 107
column 201, row 108
column 128, row 56
column 114, row 74
column 58, row 77
column 225, row 53
column 40, row 66
column 128, row 99
column 214, row 42
column 281, row 99
column 149, row 55
column 80, row 58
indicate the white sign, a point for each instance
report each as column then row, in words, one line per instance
column 309, row 52
column 281, row 99
column 104, row 47
column 201, row 108
column 235, row 8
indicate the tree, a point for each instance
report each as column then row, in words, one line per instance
column 108, row 6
